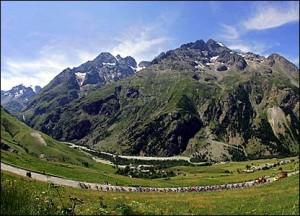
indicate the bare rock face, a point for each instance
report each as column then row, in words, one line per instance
column 102, row 107
column 232, row 60
column 144, row 64
column 167, row 135
column 132, row 92
column 275, row 58
column 80, row 130
column 221, row 68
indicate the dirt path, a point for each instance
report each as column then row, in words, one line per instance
column 102, row 187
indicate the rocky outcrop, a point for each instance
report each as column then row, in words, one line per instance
column 232, row 60
column 80, row 130
column 221, row 68
column 144, row 64
column 132, row 92
column 165, row 136
column 106, row 106
column 276, row 58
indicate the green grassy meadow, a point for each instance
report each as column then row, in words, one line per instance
column 185, row 176
column 25, row 196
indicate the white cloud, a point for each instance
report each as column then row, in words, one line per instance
column 31, row 72
column 85, row 56
column 141, row 42
column 229, row 32
column 240, row 47
column 268, row 16
column 41, row 70
column 253, row 46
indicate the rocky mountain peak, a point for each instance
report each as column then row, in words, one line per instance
column 20, row 90
column 276, row 58
column 105, row 57
column 199, row 44
column 37, row 89
column 144, row 64
column 72, row 83
column 210, row 55
column 128, row 60
column 215, row 47
column 15, row 99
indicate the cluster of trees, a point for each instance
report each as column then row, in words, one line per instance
column 127, row 161
column 142, row 172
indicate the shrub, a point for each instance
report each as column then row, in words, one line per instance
column 85, row 164
column 124, row 209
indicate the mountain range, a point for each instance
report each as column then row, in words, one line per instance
column 16, row 98
column 201, row 99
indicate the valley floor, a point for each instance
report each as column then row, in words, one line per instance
column 106, row 187
column 186, row 176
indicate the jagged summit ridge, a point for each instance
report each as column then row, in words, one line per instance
column 104, row 68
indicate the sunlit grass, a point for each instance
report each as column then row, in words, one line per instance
column 278, row 198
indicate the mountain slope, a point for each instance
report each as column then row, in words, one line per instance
column 202, row 99
column 18, row 138
column 76, row 82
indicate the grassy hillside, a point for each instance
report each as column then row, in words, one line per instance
column 22, row 141
column 24, row 196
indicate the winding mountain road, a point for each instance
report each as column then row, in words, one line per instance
column 103, row 187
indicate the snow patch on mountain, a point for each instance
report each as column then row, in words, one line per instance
column 80, row 76
column 222, row 45
column 214, row 58
column 19, row 93
column 108, row 63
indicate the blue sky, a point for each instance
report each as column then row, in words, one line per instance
column 40, row 39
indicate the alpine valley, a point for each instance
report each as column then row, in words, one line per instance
column 202, row 100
